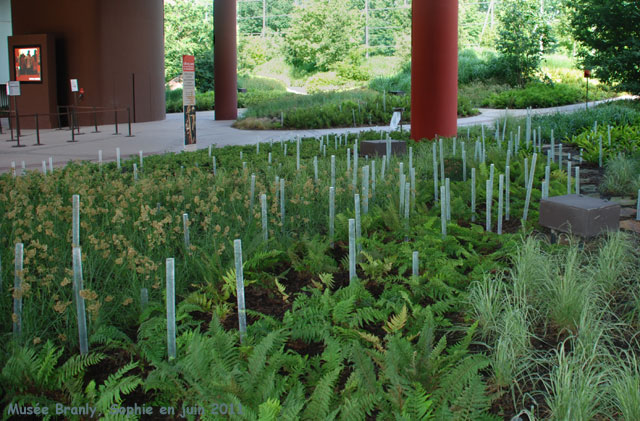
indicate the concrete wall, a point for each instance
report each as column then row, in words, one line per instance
column 114, row 48
column 5, row 32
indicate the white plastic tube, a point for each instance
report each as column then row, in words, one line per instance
column 242, row 312
column 356, row 199
column 282, row 202
column 252, row 193
column 332, row 213
column 185, row 228
column 530, row 186
column 568, row 177
column 144, row 297
column 75, row 224
column 80, row 310
column 118, row 157
column 415, row 264
column 489, row 190
column 500, row 201
column 473, row 194
column 263, row 208
column 435, row 173
column 315, row 169
column 507, row 193
column 447, row 189
column 171, row 308
column 365, row 189
column 443, row 213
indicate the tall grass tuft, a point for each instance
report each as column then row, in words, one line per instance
column 575, row 387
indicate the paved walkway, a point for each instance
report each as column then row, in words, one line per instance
column 167, row 136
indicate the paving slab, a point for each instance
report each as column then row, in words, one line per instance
column 630, row 225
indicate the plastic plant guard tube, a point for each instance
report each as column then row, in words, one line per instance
column 75, row 235
column 242, row 312
column 529, row 186
column 80, row 310
column 263, row 209
column 443, row 213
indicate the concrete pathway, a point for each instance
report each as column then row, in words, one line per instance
column 167, row 136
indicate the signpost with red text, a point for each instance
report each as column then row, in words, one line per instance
column 189, row 101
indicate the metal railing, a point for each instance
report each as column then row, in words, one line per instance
column 71, row 114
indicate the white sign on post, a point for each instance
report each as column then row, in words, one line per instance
column 13, row 88
column 395, row 120
column 74, row 85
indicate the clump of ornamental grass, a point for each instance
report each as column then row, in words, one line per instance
column 621, row 176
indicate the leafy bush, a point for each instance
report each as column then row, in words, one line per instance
column 541, row 95
column 522, row 32
column 335, row 109
column 571, row 124
column 479, row 65
column 325, row 33
column 624, row 140
column 257, row 83
column 259, row 89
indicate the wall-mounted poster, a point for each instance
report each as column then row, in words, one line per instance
column 28, row 63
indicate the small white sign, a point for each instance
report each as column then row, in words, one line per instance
column 74, row 85
column 13, row 88
column 395, row 120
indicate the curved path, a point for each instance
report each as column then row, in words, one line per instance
column 167, row 136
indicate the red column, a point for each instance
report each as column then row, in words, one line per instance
column 225, row 70
column 434, row 68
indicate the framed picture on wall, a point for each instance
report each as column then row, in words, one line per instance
column 28, row 63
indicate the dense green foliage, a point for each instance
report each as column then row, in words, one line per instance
column 487, row 323
column 618, row 113
column 189, row 30
column 615, row 140
column 326, row 110
column 259, row 90
column 609, row 31
column 522, row 36
column 542, row 95
column 325, row 34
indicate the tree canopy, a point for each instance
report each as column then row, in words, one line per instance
column 609, row 32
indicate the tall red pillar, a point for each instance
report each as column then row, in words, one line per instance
column 225, row 66
column 434, row 69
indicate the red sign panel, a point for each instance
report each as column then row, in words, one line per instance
column 188, row 63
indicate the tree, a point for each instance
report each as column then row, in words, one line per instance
column 523, row 34
column 188, row 27
column 609, row 32
column 325, row 33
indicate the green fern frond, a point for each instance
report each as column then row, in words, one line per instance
column 116, row 385
column 109, row 335
column 320, row 400
column 417, row 405
column 77, row 364
column 269, row 410
column 47, row 361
